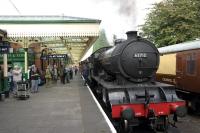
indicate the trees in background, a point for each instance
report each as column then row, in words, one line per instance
column 173, row 21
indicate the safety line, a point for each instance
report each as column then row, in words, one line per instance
column 113, row 130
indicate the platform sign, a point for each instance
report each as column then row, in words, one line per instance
column 57, row 56
column 54, row 56
column 4, row 47
column 13, row 57
column 43, row 58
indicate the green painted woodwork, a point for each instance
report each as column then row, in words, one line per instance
column 45, row 20
column 5, row 84
column 17, row 57
column 1, row 81
column 25, row 76
column 13, row 57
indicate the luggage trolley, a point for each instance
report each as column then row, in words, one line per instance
column 22, row 90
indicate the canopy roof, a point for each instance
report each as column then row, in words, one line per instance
column 45, row 19
column 64, row 34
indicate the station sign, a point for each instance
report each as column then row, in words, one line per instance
column 4, row 47
column 54, row 56
column 14, row 57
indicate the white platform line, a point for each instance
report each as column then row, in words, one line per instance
column 113, row 130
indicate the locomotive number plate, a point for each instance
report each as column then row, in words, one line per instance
column 140, row 55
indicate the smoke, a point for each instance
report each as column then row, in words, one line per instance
column 126, row 8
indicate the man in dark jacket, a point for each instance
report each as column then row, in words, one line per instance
column 86, row 73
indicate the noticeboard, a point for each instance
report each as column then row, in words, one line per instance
column 4, row 47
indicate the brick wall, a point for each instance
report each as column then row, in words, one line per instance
column 37, row 49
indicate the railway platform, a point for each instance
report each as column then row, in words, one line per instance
column 59, row 108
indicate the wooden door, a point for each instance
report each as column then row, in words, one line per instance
column 187, row 71
column 179, row 70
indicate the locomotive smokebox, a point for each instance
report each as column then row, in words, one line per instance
column 131, row 35
column 135, row 59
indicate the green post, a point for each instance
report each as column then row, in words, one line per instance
column 1, row 81
column 5, row 84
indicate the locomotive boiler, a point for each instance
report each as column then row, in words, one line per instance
column 123, row 77
column 135, row 59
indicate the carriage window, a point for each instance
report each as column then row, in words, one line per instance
column 191, row 64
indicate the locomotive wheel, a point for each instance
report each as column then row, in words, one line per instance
column 99, row 93
column 160, row 124
column 124, row 127
column 108, row 106
column 154, row 126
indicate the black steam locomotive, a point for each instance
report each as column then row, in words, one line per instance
column 123, row 78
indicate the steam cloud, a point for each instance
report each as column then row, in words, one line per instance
column 127, row 8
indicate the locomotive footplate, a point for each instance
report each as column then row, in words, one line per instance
column 114, row 85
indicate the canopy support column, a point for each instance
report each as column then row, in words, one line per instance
column 25, row 59
column 5, row 75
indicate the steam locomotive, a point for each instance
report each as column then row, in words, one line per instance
column 123, row 76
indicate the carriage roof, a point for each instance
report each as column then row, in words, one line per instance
column 190, row 45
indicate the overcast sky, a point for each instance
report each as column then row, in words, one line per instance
column 118, row 16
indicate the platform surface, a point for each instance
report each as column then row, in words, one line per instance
column 59, row 108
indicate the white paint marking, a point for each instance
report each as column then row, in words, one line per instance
column 113, row 130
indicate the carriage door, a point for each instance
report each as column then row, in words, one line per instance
column 179, row 70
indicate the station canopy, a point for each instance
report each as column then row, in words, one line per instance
column 62, row 34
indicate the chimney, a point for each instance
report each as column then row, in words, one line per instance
column 131, row 35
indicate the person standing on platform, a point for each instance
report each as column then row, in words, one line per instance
column 29, row 76
column 66, row 73
column 81, row 68
column 55, row 73
column 71, row 72
column 76, row 70
column 17, row 76
column 48, row 76
column 61, row 71
column 34, row 79
column 10, row 79
column 86, row 73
